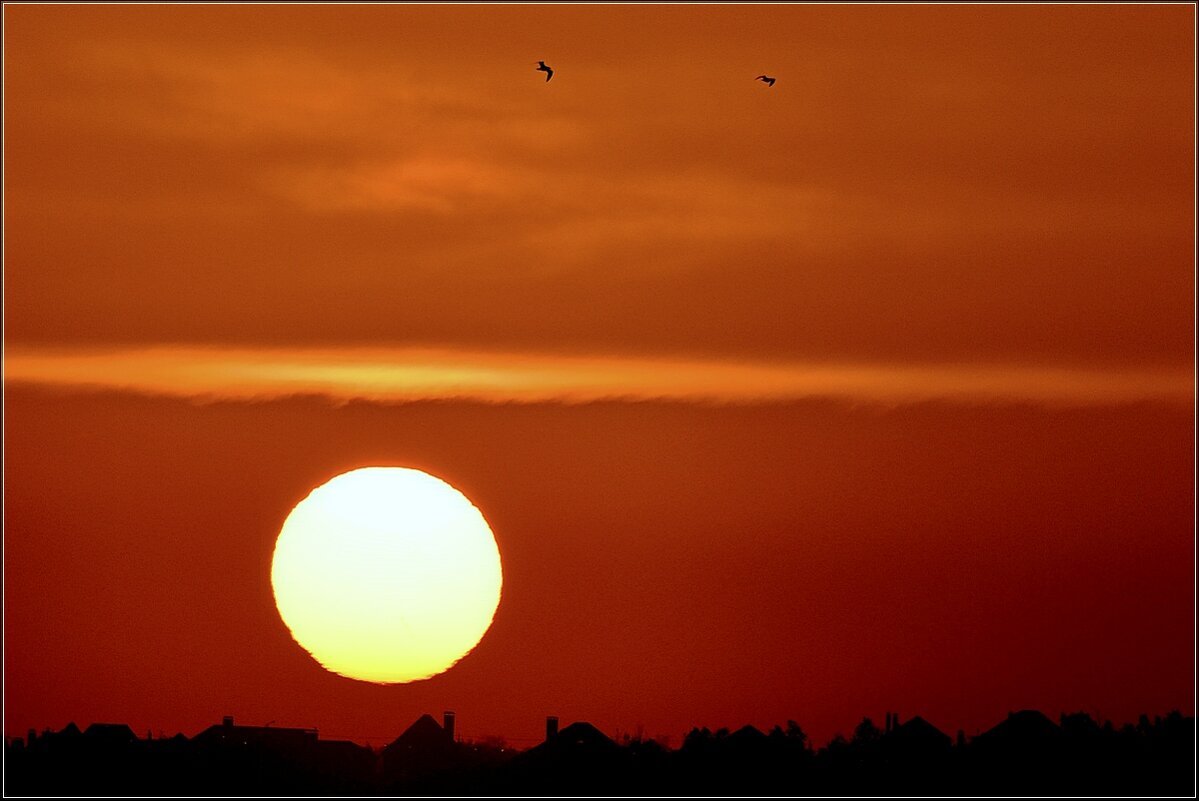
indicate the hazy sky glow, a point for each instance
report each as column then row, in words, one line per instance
column 409, row 375
column 871, row 390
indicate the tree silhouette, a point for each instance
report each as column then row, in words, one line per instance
column 866, row 733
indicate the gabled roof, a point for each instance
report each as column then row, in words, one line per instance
column 423, row 750
column 918, row 732
column 583, row 735
column 577, row 739
column 1028, row 726
column 425, row 734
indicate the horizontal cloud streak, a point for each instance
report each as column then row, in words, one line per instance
column 412, row 374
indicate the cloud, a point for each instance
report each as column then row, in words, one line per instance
column 403, row 174
column 399, row 375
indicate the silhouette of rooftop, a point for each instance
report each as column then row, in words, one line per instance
column 424, row 735
column 1027, row 725
column 919, row 732
column 227, row 733
column 424, row 748
column 578, row 737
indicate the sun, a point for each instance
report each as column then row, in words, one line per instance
column 386, row 574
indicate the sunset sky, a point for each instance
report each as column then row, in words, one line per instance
column 870, row 390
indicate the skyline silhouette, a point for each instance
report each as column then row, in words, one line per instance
column 1025, row 753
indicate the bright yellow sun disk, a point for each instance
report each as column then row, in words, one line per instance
column 386, row 574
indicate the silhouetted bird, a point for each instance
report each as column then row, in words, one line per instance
column 766, row 79
column 549, row 73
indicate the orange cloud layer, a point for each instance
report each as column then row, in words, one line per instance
column 928, row 184
column 408, row 374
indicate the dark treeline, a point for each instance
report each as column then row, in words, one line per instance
column 1025, row 754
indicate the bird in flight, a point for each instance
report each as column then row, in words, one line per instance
column 549, row 73
column 765, row 79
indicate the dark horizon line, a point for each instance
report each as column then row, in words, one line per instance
column 892, row 720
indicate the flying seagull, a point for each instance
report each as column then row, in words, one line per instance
column 764, row 78
column 549, row 73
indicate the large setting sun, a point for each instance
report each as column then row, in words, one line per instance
column 386, row 574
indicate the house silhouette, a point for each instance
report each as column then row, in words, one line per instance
column 1028, row 729
column 232, row 759
column 344, row 765
column 578, row 740
column 579, row 759
column 426, row 748
column 917, row 736
column 271, row 738
column 1022, row 755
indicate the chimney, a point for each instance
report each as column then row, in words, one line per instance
column 551, row 727
column 227, row 721
column 449, row 724
column 887, row 725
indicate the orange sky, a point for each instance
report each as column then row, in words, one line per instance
column 903, row 346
